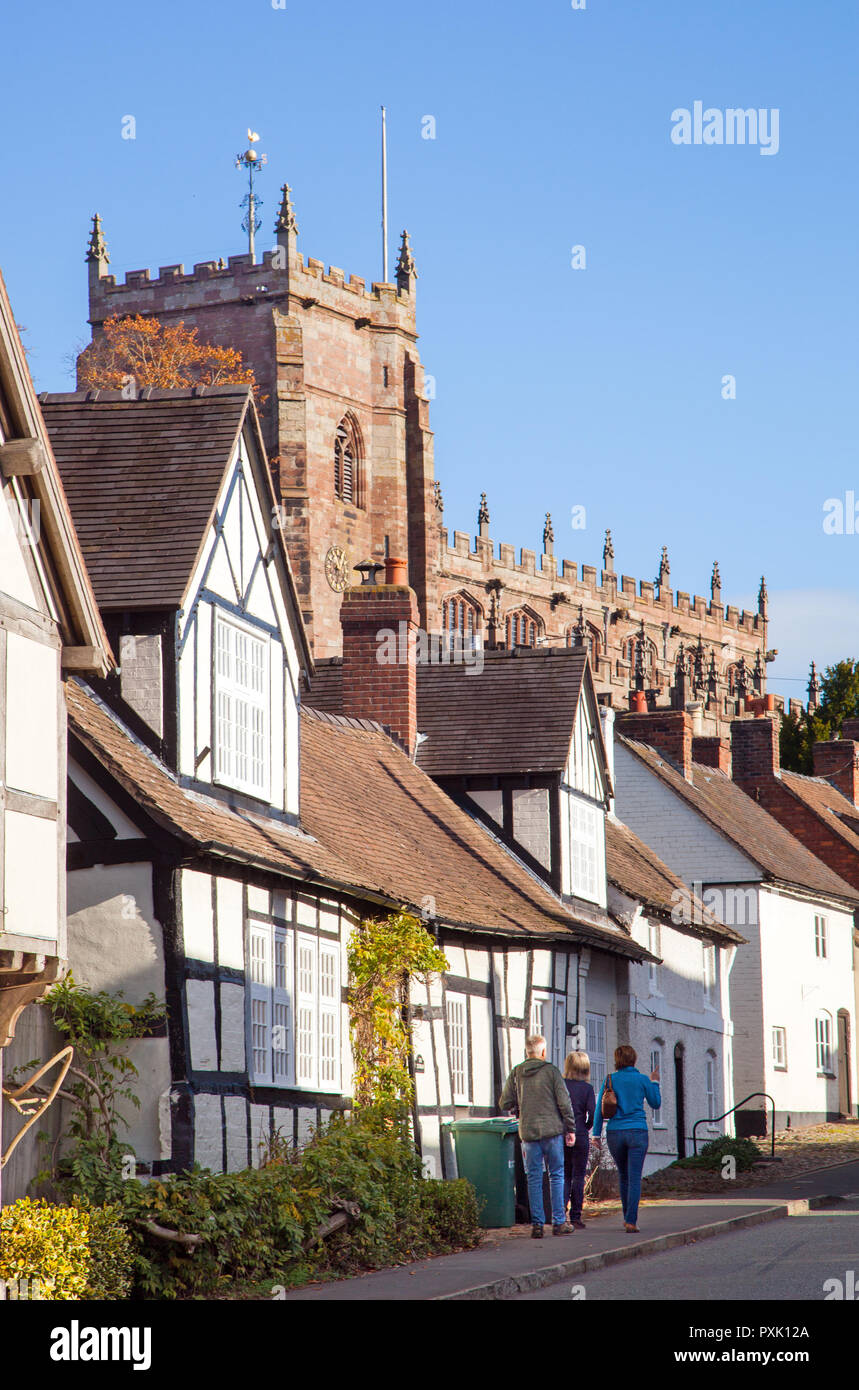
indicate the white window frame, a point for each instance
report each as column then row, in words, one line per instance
column 456, row 1032
column 241, row 713
column 710, row 1084
column 586, row 849
column 821, row 934
column 294, row 997
column 709, row 974
column 654, row 945
column 596, row 1030
column 259, row 985
column 656, row 1061
column 779, row 1047
column 823, row 1044
column 546, row 1004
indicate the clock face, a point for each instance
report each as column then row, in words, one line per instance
column 337, row 568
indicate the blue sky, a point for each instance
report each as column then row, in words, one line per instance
column 555, row 387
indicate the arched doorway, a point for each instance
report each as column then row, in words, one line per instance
column 680, row 1100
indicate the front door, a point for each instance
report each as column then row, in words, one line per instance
column 844, row 1087
column 680, row 1101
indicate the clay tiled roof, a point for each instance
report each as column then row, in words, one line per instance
column 373, row 825
column 516, row 715
column 833, row 808
column 741, row 820
column 142, row 478
column 635, row 869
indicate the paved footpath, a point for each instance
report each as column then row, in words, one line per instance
column 505, row 1266
column 811, row 1258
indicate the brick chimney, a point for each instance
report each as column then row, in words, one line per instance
column 754, row 750
column 712, row 752
column 668, row 730
column 838, row 760
column 380, row 623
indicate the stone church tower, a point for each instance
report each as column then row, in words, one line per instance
column 346, row 422
column 345, row 418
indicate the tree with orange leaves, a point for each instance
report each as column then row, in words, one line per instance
column 138, row 351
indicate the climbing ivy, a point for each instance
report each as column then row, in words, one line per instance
column 384, row 954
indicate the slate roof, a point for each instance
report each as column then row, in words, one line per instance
column 142, row 478
column 373, row 825
column 634, row 868
column 514, row 716
column 756, row 833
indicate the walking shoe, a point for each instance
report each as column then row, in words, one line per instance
column 563, row 1230
column 536, row 1232
column 630, row 1230
column 578, row 1225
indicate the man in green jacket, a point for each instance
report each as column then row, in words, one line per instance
column 535, row 1090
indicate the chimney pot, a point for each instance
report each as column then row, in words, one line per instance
column 396, row 570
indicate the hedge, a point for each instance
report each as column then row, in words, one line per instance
column 64, row 1252
column 260, row 1225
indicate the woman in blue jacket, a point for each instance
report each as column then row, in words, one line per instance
column 626, row 1131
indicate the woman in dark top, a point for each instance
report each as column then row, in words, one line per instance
column 577, row 1070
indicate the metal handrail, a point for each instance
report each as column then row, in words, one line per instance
column 717, row 1118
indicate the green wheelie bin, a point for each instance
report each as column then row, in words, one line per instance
column 486, row 1155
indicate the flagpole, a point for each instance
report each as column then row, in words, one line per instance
column 384, row 199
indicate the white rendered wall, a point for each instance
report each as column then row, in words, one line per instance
column 798, row 987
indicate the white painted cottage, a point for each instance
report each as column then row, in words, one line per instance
column 793, row 977
column 49, row 625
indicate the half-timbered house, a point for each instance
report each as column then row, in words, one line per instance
column 225, row 843
column 517, row 741
column 49, row 625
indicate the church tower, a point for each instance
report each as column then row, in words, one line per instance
column 345, row 418
column 346, row 423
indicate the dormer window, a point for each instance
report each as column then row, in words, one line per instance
column 346, row 461
column 242, row 707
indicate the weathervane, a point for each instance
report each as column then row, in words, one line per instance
column 251, row 161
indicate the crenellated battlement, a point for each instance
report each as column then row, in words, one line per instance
column 586, row 584
column 281, row 274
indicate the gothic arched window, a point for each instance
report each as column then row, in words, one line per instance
column 523, row 628
column 460, row 619
column 630, row 650
column 346, row 461
column 592, row 640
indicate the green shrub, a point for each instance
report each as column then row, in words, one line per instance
column 451, row 1214
column 744, row 1151
column 64, row 1253
column 111, row 1253
column 262, row 1224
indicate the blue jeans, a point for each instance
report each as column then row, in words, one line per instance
column 628, row 1148
column 534, row 1152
